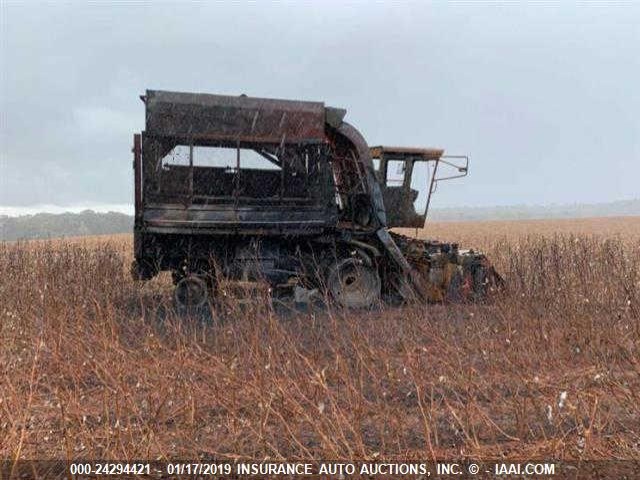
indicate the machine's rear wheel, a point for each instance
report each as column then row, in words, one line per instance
column 353, row 284
column 191, row 292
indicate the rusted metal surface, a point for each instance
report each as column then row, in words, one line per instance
column 446, row 273
column 424, row 153
column 226, row 118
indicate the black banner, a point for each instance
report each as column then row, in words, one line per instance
column 222, row 469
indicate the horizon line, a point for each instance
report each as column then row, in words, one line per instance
column 128, row 208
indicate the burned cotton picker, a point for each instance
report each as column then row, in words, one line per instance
column 286, row 194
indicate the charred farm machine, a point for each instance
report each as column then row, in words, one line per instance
column 287, row 194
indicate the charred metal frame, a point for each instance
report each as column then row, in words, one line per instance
column 343, row 213
column 235, row 196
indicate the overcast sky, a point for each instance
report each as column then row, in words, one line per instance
column 545, row 99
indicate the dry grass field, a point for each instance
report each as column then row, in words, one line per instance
column 94, row 365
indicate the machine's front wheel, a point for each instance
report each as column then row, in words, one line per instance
column 353, row 284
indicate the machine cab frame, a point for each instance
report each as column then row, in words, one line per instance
column 398, row 195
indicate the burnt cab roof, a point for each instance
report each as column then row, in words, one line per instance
column 406, row 152
column 213, row 118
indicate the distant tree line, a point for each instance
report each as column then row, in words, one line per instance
column 88, row 222
column 529, row 212
column 48, row 225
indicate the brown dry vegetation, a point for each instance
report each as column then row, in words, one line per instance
column 94, row 365
column 486, row 233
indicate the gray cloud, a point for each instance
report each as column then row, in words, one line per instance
column 543, row 98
